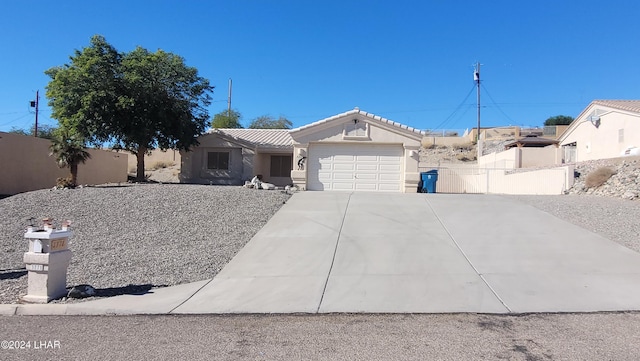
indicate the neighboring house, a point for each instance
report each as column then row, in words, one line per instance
column 531, row 142
column 605, row 129
column 352, row 151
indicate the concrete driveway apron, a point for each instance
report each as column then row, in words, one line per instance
column 382, row 252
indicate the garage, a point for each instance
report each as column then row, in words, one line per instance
column 355, row 167
column 356, row 151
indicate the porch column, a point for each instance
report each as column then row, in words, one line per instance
column 299, row 172
column 411, row 173
column 248, row 156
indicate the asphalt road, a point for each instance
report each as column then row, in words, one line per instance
column 593, row 336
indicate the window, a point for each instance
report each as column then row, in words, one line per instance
column 281, row 165
column 218, row 160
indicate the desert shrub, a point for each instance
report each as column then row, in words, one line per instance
column 462, row 147
column 598, row 177
column 431, row 146
column 466, row 157
column 64, row 183
column 161, row 164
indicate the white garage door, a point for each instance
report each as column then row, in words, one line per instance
column 355, row 167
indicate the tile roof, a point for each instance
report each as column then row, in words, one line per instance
column 629, row 105
column 270, row 138
column 369, row 115
column 531, row 141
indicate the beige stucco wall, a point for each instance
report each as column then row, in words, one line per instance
column 602, row 142
column 262, row 166
column 447, row 141
column 499, row 181
column 494, row 133
column 193, row 166
column 540, row 182
column 500, row 133
column 507, row 159
column 27, row 165
column 377, row 133
column 526, row 157
column 332, row 132
column 559, row 130
column 540, row 157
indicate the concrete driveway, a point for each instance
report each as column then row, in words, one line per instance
column 368, row 252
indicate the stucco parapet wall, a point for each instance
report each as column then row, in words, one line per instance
column 370, row 116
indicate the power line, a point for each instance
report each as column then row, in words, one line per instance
column 457, row 108
column 496, row 104
column 15, row 120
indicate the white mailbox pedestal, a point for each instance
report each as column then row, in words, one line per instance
column 47, row 262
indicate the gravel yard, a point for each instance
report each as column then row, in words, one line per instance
column 134, row 237
column 614, row 218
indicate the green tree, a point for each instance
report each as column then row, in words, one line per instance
column 166, row 106
column 136, row 101
column 269, row 122
column 88, row 93
column 44, row 131
column 68, row 147
column 558, row 120
column 224, row 119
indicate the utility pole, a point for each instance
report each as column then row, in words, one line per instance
column 229, row 100
column 34, row 104
column 476, row 78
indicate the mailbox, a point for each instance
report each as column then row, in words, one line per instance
column 46, row 262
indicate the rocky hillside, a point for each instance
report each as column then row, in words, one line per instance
column 624, row 183
column 439, row 154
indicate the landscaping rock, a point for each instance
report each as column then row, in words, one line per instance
column 81, row 291
column 624, row 183
column 136, row 234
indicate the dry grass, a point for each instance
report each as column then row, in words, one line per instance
column 435, row 146
column 161, row 164
column 64, row 183
column 598, row 177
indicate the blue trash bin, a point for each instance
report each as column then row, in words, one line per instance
column 429, row 180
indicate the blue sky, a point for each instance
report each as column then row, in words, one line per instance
column 409, row 61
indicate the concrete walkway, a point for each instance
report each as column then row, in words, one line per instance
column 419, row 253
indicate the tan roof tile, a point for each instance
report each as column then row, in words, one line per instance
column 358, row 111
column 272, row 138
column 629, row 105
